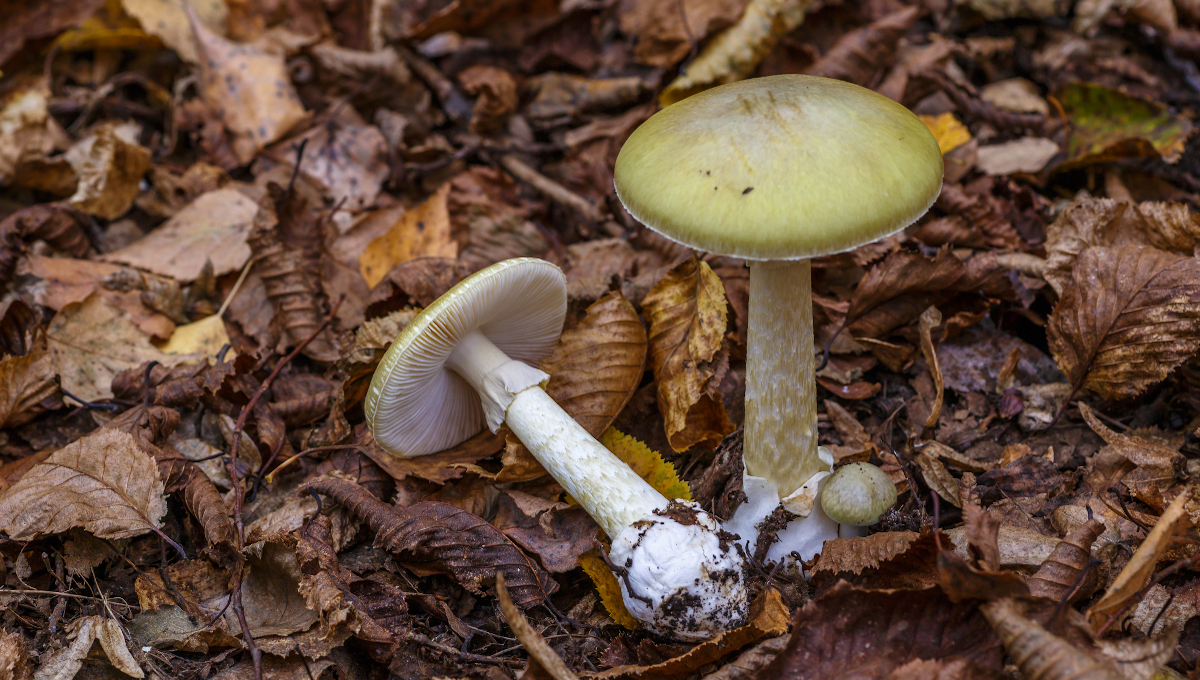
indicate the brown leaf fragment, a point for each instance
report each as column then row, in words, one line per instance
column 597, row 365
column 437, row 537
column 961, row 581
column 938, row 478
column 858, row 553
column 859, row 634
column 1038, row 652
column 1056, row 578
column 14, row 657
column 664, row 31
column 556, row 532
column 103, row 483
column 22, row 22
column 249, row 88
column 25, row 381
column 1139, row 451
column 687, row 314
column 1026, row 476
column 768, row 618
column 66, row 662
column 861, row 53
column 1140, row 568
column 277, row 668
column 109, row 163
column 930, row 319
column 1129, row 317
column 986, row 218
column 561, row 94
column 899, row 289
column 544, row 660
column 1090, row 221
column 416, row 283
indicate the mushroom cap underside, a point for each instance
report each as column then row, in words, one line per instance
column 416, row 405
column 778, row 168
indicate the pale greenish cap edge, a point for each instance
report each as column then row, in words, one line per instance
column 829, row 166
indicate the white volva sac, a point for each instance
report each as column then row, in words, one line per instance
column 452, row 371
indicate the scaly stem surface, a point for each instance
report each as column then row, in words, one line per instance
column 781, row 401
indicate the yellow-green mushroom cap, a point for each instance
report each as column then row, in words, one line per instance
column 780, row 168
column 417, row 405
column 857, row 494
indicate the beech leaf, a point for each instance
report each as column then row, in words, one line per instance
column 687, row 314
column 25, row 381
column 1127, row 318
column 103, row 483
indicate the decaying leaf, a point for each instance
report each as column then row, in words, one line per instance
column 938, row 478
column 849, row 633
column 103, row 483
column 1038, row 652
column 25, row 381
column 1108, row 125
column 1128, row 317
column 65, row 663
column 1056, row 578
column 930, row 319
column 109, row 163
column 737, row 51
column 212, row 228
column 859, row 54
column 687, row 315
column 423, row 231
column 250, row 90
column 1141, row 566
column 664, row 32
column 437, row 537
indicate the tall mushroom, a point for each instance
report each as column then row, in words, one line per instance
column 778, row 170
column 461, row 364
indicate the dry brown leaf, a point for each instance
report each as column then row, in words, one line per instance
column 687, row 315
column 856, row 443
column 1038, row 652
column 25, row 381
column 103, row 483
column 276, row 668
column 930, row 319
column 859, row 553
column 1055, row 579
column 423, row 231
column 560, row 94
column 168, row 20
column 213, row 228
column 249, row 88
column 109, row 163
column 66, row 662
column 1141, row 566
column 1129, row 316
column 1090, row 221
column 852, row 633
column 899, row 289
column 344, row 157
column 861, row 53
column 27, row 131
column 737, row 51
column 662, row 36
column 1027, row 154
column 14, row 657
column 768, row 618
column 92, row 342
column 938, row 478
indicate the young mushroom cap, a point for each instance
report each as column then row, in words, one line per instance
column 417, row 404
column 777, row 170
column 857, row 494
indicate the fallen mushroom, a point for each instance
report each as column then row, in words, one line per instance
column 461, row 364
column 778, row 170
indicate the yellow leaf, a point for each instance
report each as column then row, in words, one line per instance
column 206, row 336
column 949, row 133
column 687, row 314
column 606, row 584
column 649, row 465
column 423, row 231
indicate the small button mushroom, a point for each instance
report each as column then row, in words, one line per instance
column 461, row 364
column 776, row 171
column 857, row 494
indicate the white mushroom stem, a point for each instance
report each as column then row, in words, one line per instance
column 681, row 575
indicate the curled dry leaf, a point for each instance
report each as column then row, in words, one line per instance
column 930, row 319
column 938, row 478
column 737, row 51
column 1128, row 317
column 66, row 662
column 109, row 163
column 665, row 31
column 687, row 315
column 434, row 537
column 103, row 483
column 202, row 499
column 1140, row 568
column 849, row 633
column 1038, row 652
column 1056, row 578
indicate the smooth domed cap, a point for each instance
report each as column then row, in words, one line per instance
column 857, row 494
column 416, row 405
column 778, row 168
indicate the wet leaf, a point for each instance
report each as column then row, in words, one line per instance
column 102, row 483
column 687, row 315
column 1128, row 317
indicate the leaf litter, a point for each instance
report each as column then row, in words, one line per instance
column 216, row 215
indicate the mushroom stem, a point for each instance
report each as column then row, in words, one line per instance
column 612, row 493
column 781, row 402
